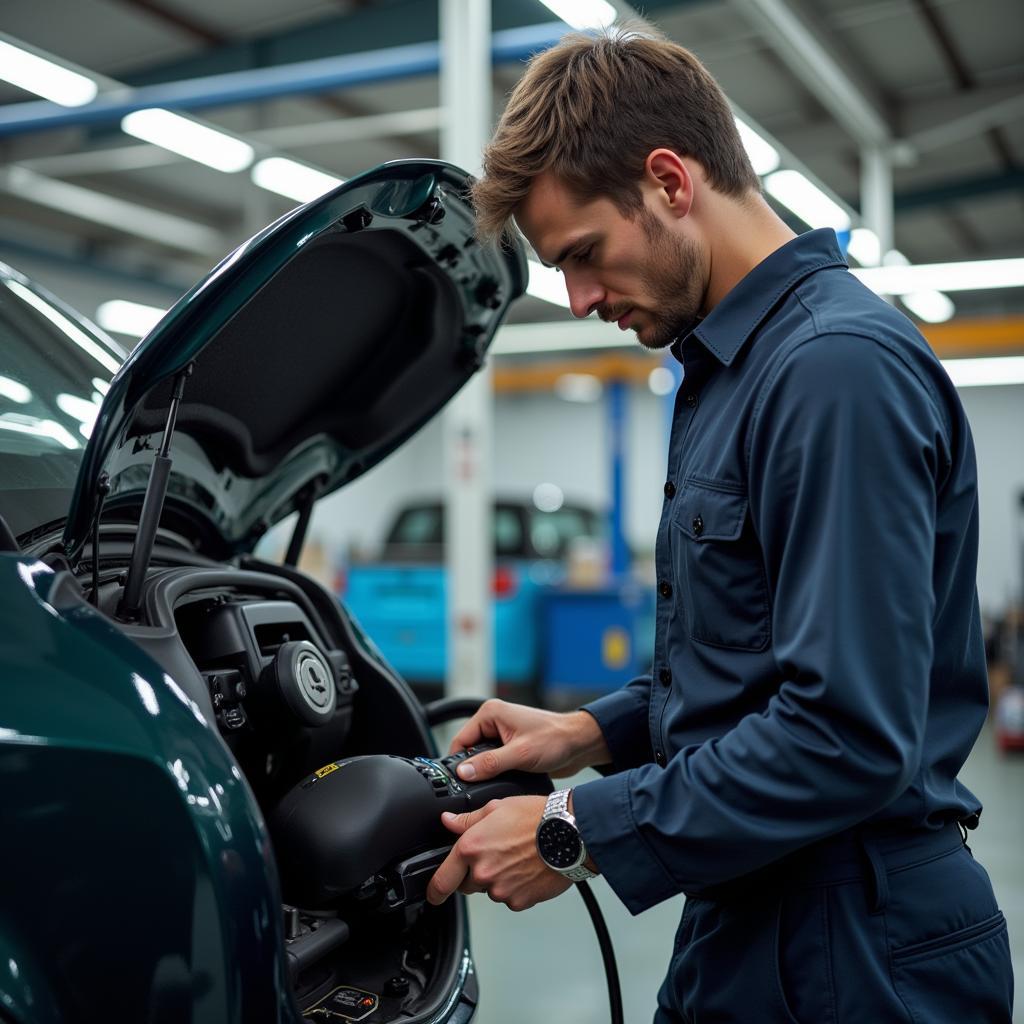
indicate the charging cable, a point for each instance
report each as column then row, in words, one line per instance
column 604, row 940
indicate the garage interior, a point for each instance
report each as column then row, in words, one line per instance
column 899, row 123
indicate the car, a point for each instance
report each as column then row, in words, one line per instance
column 162, row 690
column 400, row 598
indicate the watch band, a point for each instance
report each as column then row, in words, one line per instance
column 580, row 874
column 558, row 803
column 557, row 806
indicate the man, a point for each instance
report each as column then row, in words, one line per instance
column 818, row 676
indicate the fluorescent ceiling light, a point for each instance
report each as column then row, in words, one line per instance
column 44, row 77
column 865, row 247
column 806, row 200
column 932, row 307
column 15, row 391
column 130, row 318
column 763, row 156
column 59, row 320
column 578, row 387
column 548, row 284
column 188, row 138
column 292, row 179
column 966, row 373
column 944, row 277
column 894, row 258
column 929, row 305
column 582, row 14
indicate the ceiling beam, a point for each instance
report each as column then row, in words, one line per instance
column 968, row 126
column 98, row 208
column 830, row 74
column 965, row 188
column 303, row 78
column 292, row 137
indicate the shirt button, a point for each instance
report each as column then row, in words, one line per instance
column 664, row 589
column 698, row 526
column 670, row 489
column 665, row 676
column 659, row 758
column 691, row 400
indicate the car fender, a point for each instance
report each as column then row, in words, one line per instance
column 24, row 994
column 137, row 872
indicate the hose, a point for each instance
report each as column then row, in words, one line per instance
column 604, row 940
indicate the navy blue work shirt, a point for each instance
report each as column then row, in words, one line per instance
column 818, row 650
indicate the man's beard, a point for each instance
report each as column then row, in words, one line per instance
column 674, row 281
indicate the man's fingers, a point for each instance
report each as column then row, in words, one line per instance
column 447, row 878
column 458, row 823
column 486, row 765
column 482, row 726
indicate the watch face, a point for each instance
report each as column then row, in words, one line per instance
column 559, row 843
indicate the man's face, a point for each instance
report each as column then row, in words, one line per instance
column 637, row 272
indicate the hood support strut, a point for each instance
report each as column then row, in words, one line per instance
column 152, row 506
column 305, row 505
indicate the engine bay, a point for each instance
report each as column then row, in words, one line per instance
column 294, row 689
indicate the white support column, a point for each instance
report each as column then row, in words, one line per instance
column 876, row 195
column 877, row 205
column 466, row 106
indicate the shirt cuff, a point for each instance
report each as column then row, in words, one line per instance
column 604, row 817
column 622, row 717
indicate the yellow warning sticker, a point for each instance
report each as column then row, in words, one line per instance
column 326, row 770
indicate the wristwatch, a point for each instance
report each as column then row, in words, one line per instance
column 559, row 842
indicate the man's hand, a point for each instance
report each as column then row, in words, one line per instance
column 497, row 853
column 532, row 739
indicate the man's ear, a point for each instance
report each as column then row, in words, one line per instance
column 666, row 172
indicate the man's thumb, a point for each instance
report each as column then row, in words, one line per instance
column 482, row 766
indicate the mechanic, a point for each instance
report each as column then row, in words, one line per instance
column 819, row 675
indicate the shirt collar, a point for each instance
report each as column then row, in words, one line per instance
column 726, row 328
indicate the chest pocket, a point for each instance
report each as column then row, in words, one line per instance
column 718, row 568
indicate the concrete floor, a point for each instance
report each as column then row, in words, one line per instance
column 544, row 965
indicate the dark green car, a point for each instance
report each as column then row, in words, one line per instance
column 160, row 688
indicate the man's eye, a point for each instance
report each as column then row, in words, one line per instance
column 584, row 256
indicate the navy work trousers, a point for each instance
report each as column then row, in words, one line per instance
column 861, row 929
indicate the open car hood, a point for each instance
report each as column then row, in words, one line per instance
column 317, row 347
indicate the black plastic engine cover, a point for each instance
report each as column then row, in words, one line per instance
column 358, row 818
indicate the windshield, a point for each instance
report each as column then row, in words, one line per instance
column 54, row 372
column 520, row 531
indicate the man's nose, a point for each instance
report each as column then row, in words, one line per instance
column 584, row 295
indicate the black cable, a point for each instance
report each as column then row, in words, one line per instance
column 604, row 940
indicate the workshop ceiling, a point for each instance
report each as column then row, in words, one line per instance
column 923, row 64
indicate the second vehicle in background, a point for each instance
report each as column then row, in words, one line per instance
column 401, row 598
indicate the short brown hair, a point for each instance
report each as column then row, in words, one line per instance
column 591, row 108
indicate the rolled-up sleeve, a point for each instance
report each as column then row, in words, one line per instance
column 846, row 450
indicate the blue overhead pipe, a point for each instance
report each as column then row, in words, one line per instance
column 302, row 78
column 617, row 395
